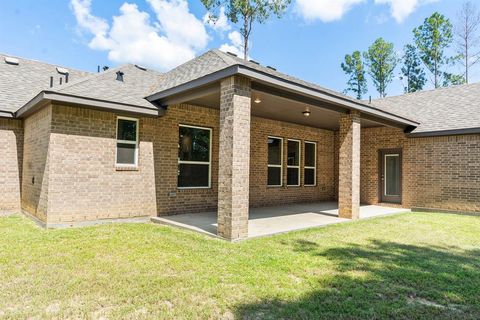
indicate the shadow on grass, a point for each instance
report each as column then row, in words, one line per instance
column 383, row 280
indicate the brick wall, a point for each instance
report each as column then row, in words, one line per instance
column 36, row 163
column 69, row 166
column 372, row 140
column 438, row 172
column 84, row 183
column 11, row 154
column 260, row 193
column 171, row 200
column 71, row 154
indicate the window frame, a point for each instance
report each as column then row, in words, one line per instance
column 209, row 163
column 310, row 167
column 298, row 167
column 276, row 165
column 136, row 142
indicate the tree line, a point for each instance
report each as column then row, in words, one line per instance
column 424, row 60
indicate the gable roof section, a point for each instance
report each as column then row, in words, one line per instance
column 137, row 83
column 20, row 83
column 444, row 111
column 102, row 90
column 215, row 65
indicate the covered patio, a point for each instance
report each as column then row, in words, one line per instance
column 256, row 167
column 277, row 219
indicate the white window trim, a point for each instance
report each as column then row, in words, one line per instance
column 209, row 163
column 134, row 165
column 295, row 167
column 276, row 165
column 310, row 167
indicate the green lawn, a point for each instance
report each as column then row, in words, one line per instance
column 418, row 265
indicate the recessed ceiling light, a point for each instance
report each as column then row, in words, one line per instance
column 306, row 113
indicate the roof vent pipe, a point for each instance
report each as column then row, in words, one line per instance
column 51, row 82
column 98, row 69
column 120, row 76
column 61, row 80
column 66, row 77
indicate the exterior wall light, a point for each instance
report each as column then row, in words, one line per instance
column 257, row 100
column 306, row 113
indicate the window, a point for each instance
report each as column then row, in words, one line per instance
column 127, row 142
column 310, row 168
column 293, row 163
column 275, row 158
column 194, row 157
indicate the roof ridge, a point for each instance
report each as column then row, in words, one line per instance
column 409, row 94
column 224, row 56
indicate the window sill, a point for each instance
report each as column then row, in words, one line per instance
column 126, row 168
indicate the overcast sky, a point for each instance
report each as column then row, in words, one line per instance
column 309, row 42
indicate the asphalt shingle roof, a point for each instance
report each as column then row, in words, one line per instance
column 215, row 60
column 450, row 108
column 20, row 83
column 137, row 83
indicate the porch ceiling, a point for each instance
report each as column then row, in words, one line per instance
column 276, row 106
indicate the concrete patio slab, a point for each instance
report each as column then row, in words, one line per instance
column 277, row 219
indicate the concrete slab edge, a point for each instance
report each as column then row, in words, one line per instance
column 165, row 222
column 64, row 225
column 433, row 210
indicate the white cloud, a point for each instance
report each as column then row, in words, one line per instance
column 332, row 10
column 236, row 45
column 401, row 9
column 172, row 39
column 324, row 10
column 220, row 24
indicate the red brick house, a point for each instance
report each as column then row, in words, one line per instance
column 221, row 133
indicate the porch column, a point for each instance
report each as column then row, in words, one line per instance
column 349, row 166
column 234, row 158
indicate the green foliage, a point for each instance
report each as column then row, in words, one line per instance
column 412, row 71
column 450, row 79
column 381, row 61
column 246, row 12
column 354, row 68
column 432, row 39
column 407, row 266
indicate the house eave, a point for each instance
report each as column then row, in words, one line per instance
column 440, row 133
column 6, row 114
column 46, row 97
column 283, row 84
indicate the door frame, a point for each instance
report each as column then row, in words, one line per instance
column 381, row 169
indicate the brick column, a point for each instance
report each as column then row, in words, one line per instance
column 349, row 166
column 234, row 158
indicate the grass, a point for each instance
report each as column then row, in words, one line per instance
column 412, row 266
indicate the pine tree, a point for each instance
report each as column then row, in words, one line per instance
column 354, row 68
column 412, row 71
